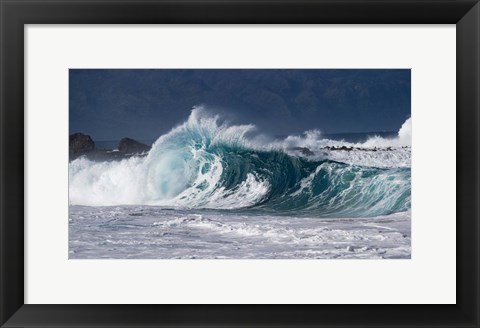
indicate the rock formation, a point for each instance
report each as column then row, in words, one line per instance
column 130, row 146
column 80, row 143
column 83, row 145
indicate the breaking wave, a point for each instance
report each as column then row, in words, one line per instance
column 207, row 164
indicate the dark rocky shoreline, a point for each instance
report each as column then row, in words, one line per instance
column 82, row 145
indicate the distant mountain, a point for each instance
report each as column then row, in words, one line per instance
column 109, row 104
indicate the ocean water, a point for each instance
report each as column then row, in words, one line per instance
column 209, row 189
column 150, row 232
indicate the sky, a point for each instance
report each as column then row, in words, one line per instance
column 143, row 104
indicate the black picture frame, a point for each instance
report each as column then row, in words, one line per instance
column 16, row 13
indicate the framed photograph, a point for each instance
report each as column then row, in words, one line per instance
column 239, row 163
column 194, row 184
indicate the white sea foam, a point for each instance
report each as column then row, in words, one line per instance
column 313, row 140
column 376, row 151
column 400, row 157
column 152, row 232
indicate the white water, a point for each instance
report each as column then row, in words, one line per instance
column 373, row 152
column 145, row 232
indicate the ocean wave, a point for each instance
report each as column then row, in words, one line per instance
column 207, row 164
